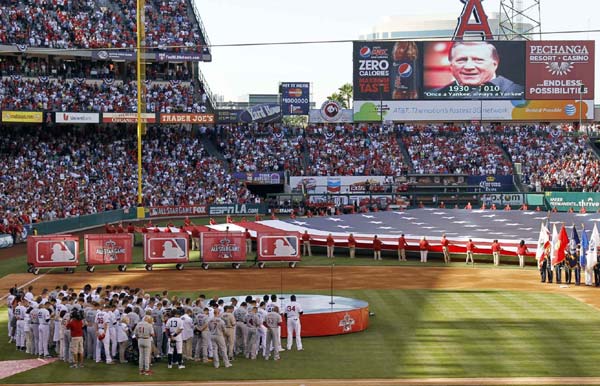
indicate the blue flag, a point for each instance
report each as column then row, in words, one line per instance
column 574, row 240
column 585, row 244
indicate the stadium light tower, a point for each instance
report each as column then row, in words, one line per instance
column 520, row 20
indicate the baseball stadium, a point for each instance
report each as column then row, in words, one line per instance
column 413, row 205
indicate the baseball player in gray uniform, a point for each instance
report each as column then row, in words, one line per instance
column 35, row 330
column 157, row 325
column 90, row 335
column 229, row 332
column 216, row 326
column 273, row 322
column 144, row 331
column 253, row 324
column 241, row 330
column 201, row 349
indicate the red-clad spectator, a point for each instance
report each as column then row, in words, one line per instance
column 496, row 249
column 352, row 245
column 423, row 249
column 470, row 250
column 330, row 246
column 521, row 252
column 377, row 244
column 306, row 251
column 402, row 245
column 130, row 228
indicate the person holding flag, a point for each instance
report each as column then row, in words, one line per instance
column 571, row 260
column 560, row 243
column 591, row 257
column 542, row 252
column 585, row 244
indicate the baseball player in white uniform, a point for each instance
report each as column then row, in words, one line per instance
column 19, row 314
column 293, row 310
column 174, row 329
column 102, row 322
column 44, row 331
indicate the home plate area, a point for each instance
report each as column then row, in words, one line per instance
column 459, row 225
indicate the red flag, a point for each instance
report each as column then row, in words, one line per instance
column 561, row 246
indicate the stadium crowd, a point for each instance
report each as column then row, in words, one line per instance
column 552, row 159
column 34, row 67
column 73, row 96
column 65, row 24
column 126, row 325
column 57, row 173
column 354, row 151
column 261, row 148
column 455, row 150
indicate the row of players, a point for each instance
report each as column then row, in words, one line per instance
column 124, row 323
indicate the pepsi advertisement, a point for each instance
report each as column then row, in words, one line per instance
column 295, row 98
column 387, row 70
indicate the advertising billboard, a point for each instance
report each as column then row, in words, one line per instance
column 223, row 247
column 176, row 118
column 474, row 110
column 53, row 251
column 473, row 80
column 386, row 70
column 103, row 249
column 473, row 70
column 278, row 247
column 65, row 117
column 166, row 248
column 265, row 113
column 295, row 98
column 127, row 117
column 22, row 116
column 558, row 69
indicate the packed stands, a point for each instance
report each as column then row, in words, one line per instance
column 54, row 95
column 552, row 159
column 261, row 148
column 455, row 150
column 60, row 172
column 353, row 151
column 60, row 24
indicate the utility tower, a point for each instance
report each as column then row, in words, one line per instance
column 520, row 20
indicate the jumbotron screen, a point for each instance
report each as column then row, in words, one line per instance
column 473, row 70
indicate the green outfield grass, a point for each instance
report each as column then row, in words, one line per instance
column 414, row 333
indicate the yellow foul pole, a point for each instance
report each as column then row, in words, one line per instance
column 140, row 97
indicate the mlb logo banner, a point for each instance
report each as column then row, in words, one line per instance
column 108, row 249
column 223, row 247
column 165, row 248
column 282, row 247
column 53, row 251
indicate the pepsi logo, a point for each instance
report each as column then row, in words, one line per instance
column 365, row 52
column 405, row 70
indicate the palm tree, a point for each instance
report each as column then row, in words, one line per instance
column 346, row 94
column 338, row 98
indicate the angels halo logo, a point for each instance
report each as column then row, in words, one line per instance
column 331, row 110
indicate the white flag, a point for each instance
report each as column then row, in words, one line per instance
column 555, row 242
column 542, row 242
